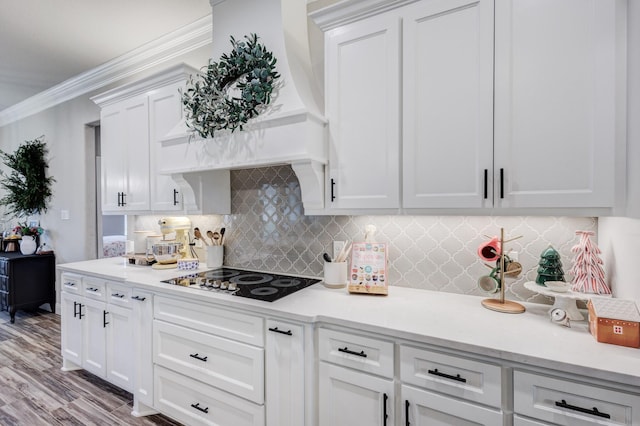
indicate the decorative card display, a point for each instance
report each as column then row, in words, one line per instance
column 368, row 272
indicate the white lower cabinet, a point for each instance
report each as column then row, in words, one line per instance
column 195, row 403
column 202, row 376
column 567, row 402
column 425, row 408
column 348, row 397
column 284, row 374
column 142, row 304
column 97, row 332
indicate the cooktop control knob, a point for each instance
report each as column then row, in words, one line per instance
column 224, row 285
column 232, row 287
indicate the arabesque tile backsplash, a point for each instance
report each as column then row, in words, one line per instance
column 268, row 231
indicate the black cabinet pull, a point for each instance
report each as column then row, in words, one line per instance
column 104, row 319
column 80, row 315
column 333, row 184
column 93, row 289
column 594, row 411
column 75, row 304
column 175, row 197
column 486, row 183
column 198, row 357
column 119, row 202
column 124, row 203
column 118, row 295
column 406, row 413
column 276, row 330
column 457, row 377
column 198, row 407
column 347, row 351
column 501, row 183
column 141, row 299
column 385, row 397
column 70, row 284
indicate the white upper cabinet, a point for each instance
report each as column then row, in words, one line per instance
column 505, row 104
column 555, row 102
column 165, row 112
column 135, row 119
column 363, row 108
column 447, row 103
column 124, row 149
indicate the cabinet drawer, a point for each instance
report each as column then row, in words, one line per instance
column 4, row 266
column 119, row 294
column 94, row 288
column 72, row 283
column 421, row 407
column 4, row 283
column 460, row 377
column 232, row 366
column 210, row 319
column 565, row 402
column 194, row 403
column 359, row 352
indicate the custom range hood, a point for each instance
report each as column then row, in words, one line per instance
column 291, row 131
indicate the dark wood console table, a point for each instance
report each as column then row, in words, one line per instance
column 27, row 281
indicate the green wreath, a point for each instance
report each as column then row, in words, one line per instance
column 250, row 69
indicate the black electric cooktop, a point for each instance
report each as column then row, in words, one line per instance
column 251, row 284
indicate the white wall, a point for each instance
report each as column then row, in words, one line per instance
column 619, row 237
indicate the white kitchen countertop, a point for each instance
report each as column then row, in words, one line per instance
column 449, row 320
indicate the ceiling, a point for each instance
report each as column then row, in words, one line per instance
column 45, row 42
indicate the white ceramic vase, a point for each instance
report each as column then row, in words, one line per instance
column 28, row 244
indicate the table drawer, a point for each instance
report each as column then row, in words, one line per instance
column 72, row 283
column 359, row 352
column 210, row 319
column 565, row 402
column 194, row 403
column 460, row 377
column 119, row 294
column 94, row 288
column 232, row 366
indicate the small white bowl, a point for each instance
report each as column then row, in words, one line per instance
column 558, row 286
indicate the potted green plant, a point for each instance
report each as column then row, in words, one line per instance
column 27, row 186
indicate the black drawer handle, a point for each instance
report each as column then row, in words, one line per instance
column 80, row 315
column 457, row 377
column 347, row 351
column 141, row 299
column 385, row 416
column 406, row 413
column 333, row 185
column 75, row 309
column 93, row 289
column 501, row 183
column 175, row 197
column 198, row 407
column 196, row 356
column 104, row 319
column 276, row 330
column 124, row 203
column 118, row 295
column 486, row 183
column 594, row 411
column 70, row 284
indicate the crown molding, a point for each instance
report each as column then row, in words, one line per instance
column 165, row 48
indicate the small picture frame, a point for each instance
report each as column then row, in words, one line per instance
column 368, row 272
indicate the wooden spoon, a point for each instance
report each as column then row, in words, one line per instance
column 210, row 235
column 198, row 235
column 216, row 238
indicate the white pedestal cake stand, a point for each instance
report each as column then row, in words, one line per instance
column 566, row 301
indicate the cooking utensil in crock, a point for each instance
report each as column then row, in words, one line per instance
column 210, row 235
column 198, row 235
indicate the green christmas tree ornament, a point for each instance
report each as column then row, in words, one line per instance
column 549, row 267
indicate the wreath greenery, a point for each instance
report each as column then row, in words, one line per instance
column 248, row 70
column 28, row 188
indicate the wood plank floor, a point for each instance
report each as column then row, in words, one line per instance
column 34, row 391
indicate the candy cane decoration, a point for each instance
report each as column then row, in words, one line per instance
column 587, row 266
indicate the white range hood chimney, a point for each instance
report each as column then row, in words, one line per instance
column 292, row 130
